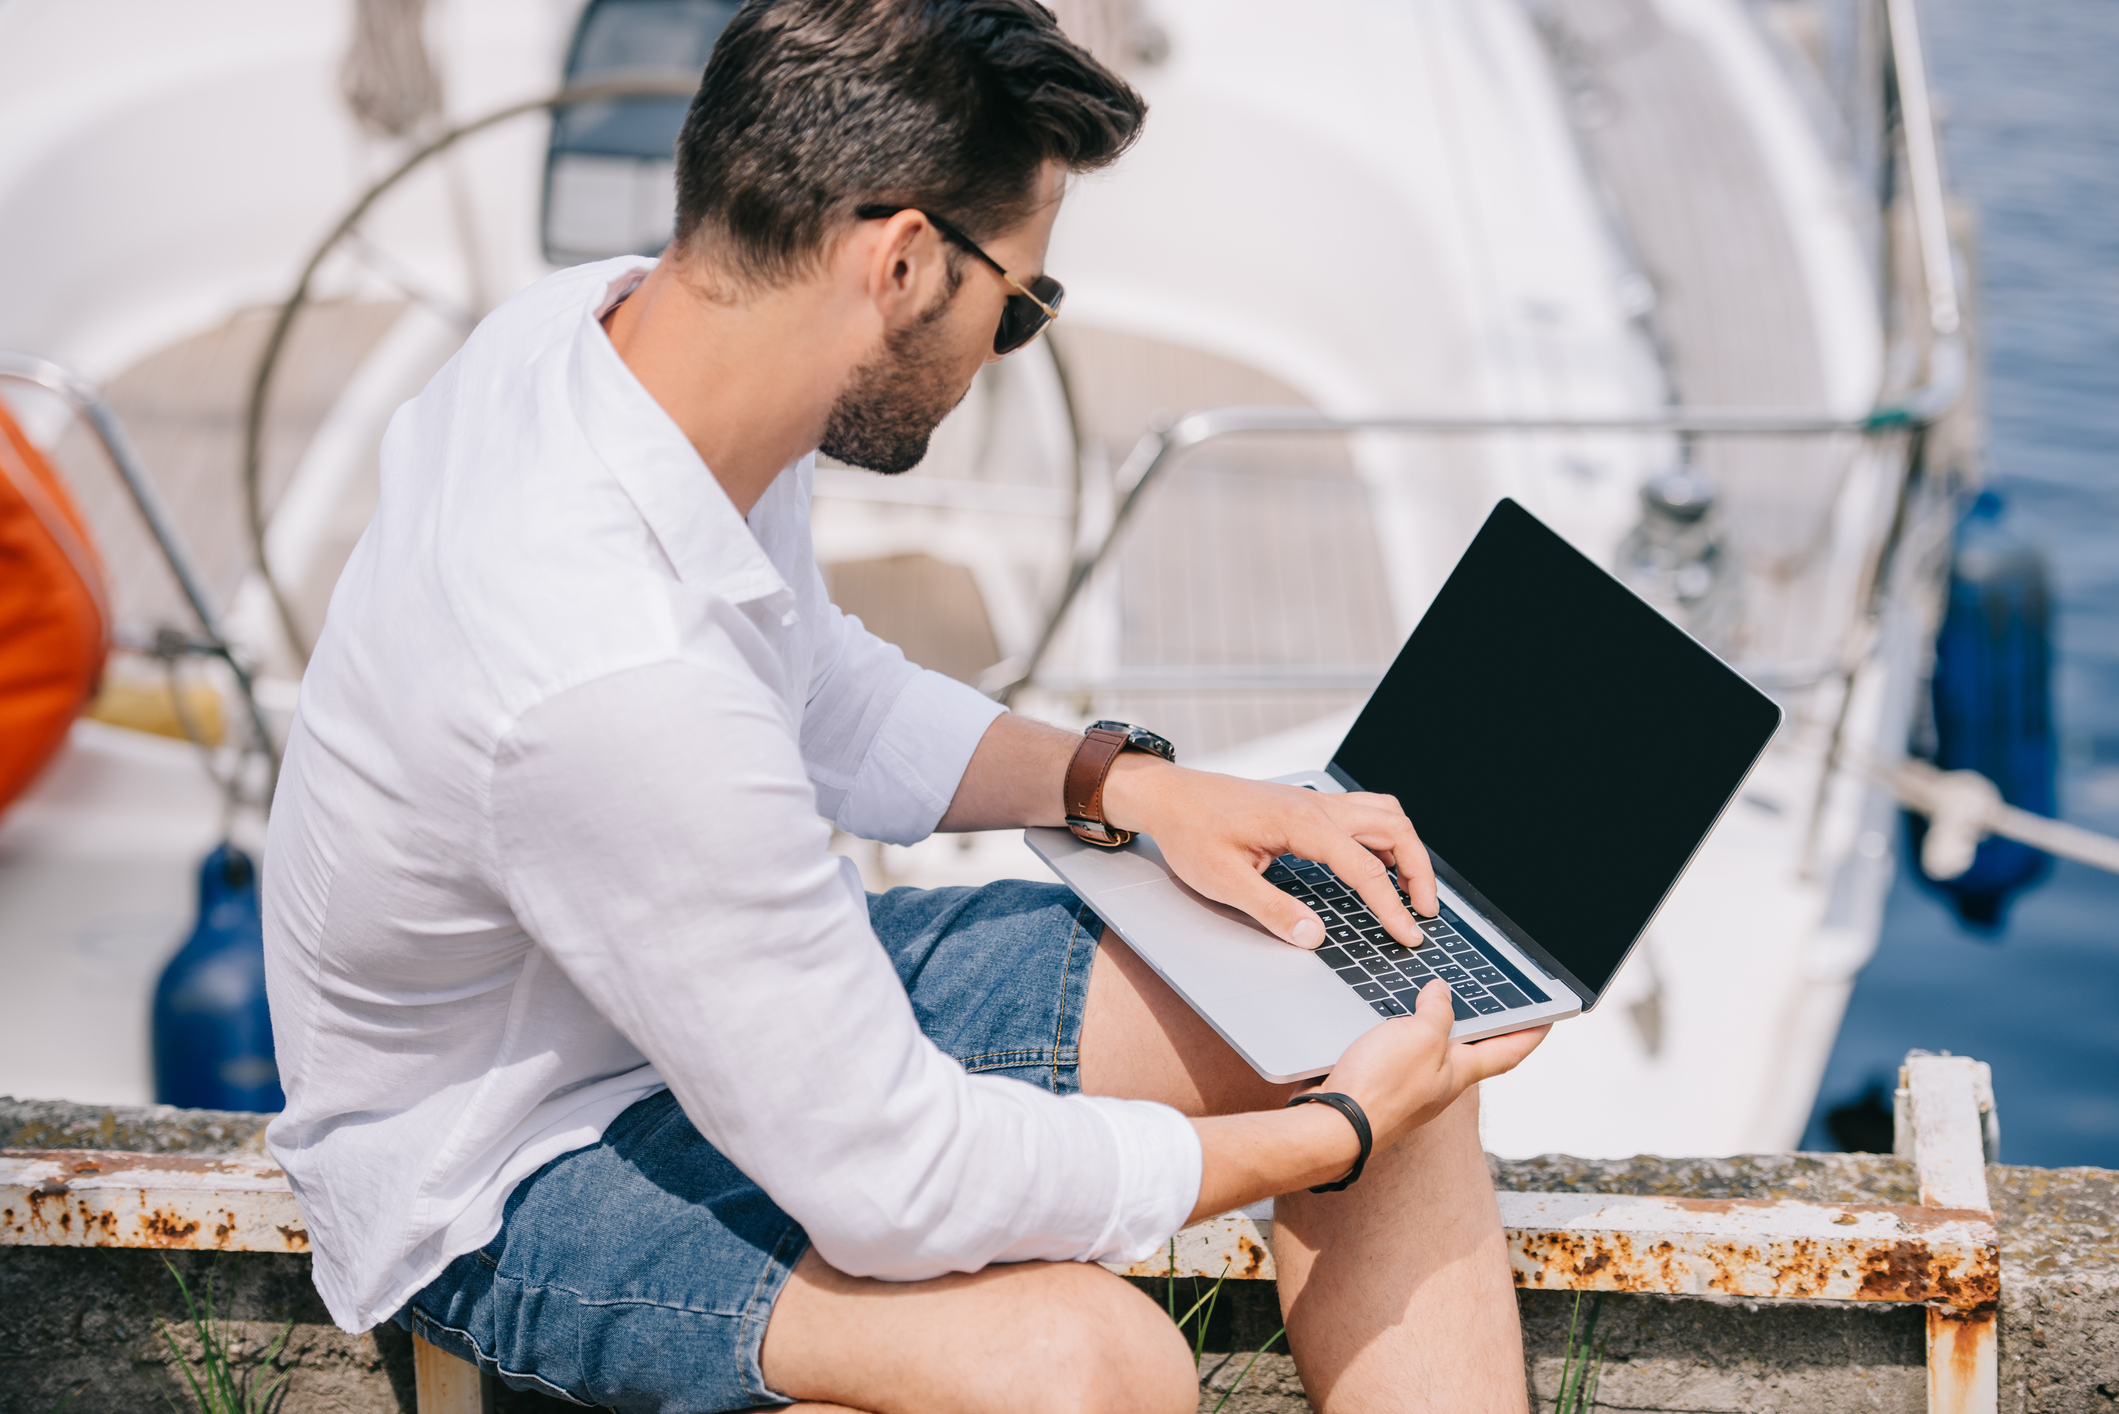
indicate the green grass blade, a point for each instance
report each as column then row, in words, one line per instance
column 1173, row 1279
column 1567, row 1365
column 1199, row 1338
column 1186, row 1318
column 1245, row 1372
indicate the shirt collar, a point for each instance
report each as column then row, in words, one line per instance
column 676, row 493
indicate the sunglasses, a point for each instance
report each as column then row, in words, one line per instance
column 1027, row 311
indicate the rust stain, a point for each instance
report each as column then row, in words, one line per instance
column 297, row 1239
column 1898, row 1270
column 1967, row 1333
column 119, row 1161
column 1254, row 1256
column 162, row 1228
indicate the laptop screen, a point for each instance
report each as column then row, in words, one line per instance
column 1560, row 745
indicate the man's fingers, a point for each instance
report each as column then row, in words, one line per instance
column 1416, row 875
column 1497, row 1055
column 1360, row 870
column 1385, row 830
column 1433, row 1006
column 1287, row 918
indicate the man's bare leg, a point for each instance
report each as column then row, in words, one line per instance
column 1368, row 1277
column 1420, row 1251
column 1034, row 1336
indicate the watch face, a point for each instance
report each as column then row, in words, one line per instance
column 1139, row 738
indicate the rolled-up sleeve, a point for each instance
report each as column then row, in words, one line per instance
column 884, row 742
column 715, row 931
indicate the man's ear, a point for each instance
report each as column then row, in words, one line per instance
column 907, row 267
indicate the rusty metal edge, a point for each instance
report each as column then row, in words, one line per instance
column 1949, row 1260
column 114, row 1198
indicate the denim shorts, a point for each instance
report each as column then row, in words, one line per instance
column 638, row 1274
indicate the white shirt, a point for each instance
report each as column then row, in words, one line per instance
column 548, row 840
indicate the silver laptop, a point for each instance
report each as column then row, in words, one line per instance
column 1563, row 750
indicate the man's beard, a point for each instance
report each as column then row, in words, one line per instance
column 893, row 403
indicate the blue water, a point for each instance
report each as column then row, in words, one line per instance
column 2031, row 108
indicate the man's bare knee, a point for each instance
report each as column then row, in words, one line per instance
column 1106, row 1349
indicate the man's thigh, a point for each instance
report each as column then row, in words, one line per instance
column 1021, row 1337
column 1021, row 979
column 1012, row 1339
column 1141, row 1041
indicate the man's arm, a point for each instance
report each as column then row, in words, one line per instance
column 1218, row 832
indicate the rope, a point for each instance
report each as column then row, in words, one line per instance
column 388, row 78
column 1964, row 807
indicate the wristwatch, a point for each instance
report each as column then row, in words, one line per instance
column 1083, row 793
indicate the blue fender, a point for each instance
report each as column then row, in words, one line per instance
column 212, row 1033
column 1992, row 700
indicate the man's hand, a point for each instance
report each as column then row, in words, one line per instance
column 1406, row 1071
column 1220, row 832
column 1402, row 1073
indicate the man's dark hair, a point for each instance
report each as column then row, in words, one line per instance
column 809, row 108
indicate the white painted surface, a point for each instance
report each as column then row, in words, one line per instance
column 98, row 888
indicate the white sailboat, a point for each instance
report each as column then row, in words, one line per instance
column 1603, row 256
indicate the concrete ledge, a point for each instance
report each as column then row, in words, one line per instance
column 74, row 1316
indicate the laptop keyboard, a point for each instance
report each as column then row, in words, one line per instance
column 1389, row 975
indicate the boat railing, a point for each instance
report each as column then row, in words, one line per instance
column 1938, row 344
column 212, row 641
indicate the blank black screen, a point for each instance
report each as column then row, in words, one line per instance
column 1559, row 743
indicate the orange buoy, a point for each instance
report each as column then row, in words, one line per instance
column 54, row 617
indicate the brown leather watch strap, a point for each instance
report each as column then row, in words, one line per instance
column 1082, row 796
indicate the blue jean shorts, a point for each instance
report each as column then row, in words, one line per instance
column 638, row 1274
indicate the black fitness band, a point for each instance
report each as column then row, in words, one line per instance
column 1348, row 1106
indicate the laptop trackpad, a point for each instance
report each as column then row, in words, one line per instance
column 1206, row 949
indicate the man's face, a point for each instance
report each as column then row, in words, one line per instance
column 892, row 403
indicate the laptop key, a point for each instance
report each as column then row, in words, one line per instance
column 1451, row 973
column 1343, row 933
column 1487, row 1006
column 1353, row 975
column 1369, row 991
column 1408, row 998
column 1464, row 1009
column 1334, row 957
column 1352, row 912
column 1379, row 967
column 1387, row 1007
column 1508, row 996
column 1358, row 948
column 1379, row 936
column 1396, row 952
column 1487, row 975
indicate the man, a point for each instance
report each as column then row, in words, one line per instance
column 601, row 1068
